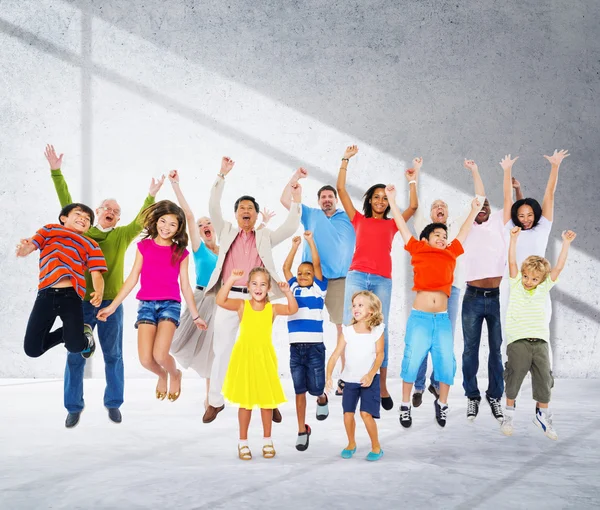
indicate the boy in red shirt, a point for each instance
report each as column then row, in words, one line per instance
column 65, row 254
column 428, row 327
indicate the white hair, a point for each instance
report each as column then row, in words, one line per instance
column 106, row 200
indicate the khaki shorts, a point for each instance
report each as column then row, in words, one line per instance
column 528, row 355
column 334, row 299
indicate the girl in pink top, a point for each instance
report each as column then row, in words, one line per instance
column 371, row 267
column 161, row 260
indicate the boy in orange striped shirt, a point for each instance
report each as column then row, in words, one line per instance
column 65, row 254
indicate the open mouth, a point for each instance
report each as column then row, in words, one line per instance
column 246, row 217
column 109, row 217
column 207, row 233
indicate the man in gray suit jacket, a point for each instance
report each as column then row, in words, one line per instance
column 240, row 247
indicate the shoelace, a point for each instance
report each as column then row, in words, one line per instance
column 405, row 414
column 443, row 411
column 472, row 407
column 496, row 406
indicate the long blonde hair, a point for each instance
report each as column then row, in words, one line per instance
column 376, row 317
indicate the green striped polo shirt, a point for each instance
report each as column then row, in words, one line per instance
column 526, row 315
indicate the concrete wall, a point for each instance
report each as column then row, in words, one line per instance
column 129, row 90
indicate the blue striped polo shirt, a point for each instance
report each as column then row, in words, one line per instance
column 306, row 325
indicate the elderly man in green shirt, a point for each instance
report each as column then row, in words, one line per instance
column 113, row 242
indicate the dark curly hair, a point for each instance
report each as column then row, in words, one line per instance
column 531, row 202
column 150, row 217
column 367, row 209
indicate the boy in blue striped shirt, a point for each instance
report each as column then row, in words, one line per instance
column 305, row 327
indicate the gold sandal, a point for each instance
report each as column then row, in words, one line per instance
column 174, row 396
column 244, row 453
column 268, row 451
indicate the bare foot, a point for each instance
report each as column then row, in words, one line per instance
column 175, row 383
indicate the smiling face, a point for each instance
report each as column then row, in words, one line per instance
column 438, row 239
column 109, row 213
column 206, row 229
column 305, row 275
column 167, row 226
column 246, row 215
column 484, row 214
column 328, row 202
column 526, row 216
column 439, row 212
column 361, row 309
column 531, row 279
column 379, row 201
column 77, row 220
column 259, row 285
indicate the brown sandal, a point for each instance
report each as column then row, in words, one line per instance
column 244, row 453
column 268, row 451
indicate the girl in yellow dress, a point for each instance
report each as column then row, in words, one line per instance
column 252, row 378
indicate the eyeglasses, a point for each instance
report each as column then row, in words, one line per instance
column 116, row 212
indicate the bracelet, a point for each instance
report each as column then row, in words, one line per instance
column 412, row 182
column 345, row 159
column 221, row 175
column 194, row 320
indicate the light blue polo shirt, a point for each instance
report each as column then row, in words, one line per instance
column 334, row 237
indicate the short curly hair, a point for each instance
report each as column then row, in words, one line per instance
column 535, row 264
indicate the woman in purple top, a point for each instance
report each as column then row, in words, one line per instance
column 161, row 260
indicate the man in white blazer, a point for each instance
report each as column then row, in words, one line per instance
column 240, row 247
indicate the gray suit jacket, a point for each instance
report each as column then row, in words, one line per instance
column 266, row 239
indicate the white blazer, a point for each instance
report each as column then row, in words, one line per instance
column 266, row 239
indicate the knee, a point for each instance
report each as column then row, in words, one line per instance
column 33, row 352
column 161, row 358
column 147, row 361
column 365, row 416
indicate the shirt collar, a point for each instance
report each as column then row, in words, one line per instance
column 101, row 229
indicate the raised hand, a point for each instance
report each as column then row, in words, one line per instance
column 301, row 173
column 515, row 184
column 297, row 193
column 54, row 160
column 557, row 157
column 390, row 191
column 155, row 185
column 24, row 248
column 105, row 313
column 568, row 236
column 236, row 274
column 266, row 215
column 200, row 323
column 515, row 231
column 350, row 151
column 410, row 174
column 308, row 235
column 284, row 287
column 476, row 204
column 296, row 241
column 96, row 298
column 471, row 165
column 174, row 177
column 226, row 165
column 506, row 162
column 417, row 163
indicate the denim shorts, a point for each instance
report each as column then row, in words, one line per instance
column 307, row 365
column 370, row 397
column 152, row 312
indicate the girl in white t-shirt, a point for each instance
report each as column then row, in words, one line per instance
column 364, row 346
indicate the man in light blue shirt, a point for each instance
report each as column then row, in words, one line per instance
column 334, row 236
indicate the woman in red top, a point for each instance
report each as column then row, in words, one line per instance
column 371, row 267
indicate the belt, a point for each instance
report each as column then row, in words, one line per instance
column 483, row 292
column 243, row 290
column 200, row 287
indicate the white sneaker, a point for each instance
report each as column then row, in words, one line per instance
column 507, row 423
column 544, row 421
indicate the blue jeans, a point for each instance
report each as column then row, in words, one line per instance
column 480, row 304
column 307, row 366
column 453, row 313
column 110, row 336
column 378, row 285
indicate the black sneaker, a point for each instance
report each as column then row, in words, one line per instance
column 72, row 420
column 441, row 410
column 417, row 398
column 496, row 408
column 114, row 415
column 405, row 417
column 435, row 392
column 91, row 348
column 473, row 407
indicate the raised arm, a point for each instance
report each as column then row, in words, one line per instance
column 25, row 247
column 216, row 192
column 55, row 162
column 341, row 182
column 292, row 221
column 223, row 300
column 188, row 293
column 567, row 236
column 548, row 203
column 286, row 195
column 132, row 229
column 267, row 216
column 292, row 305
column 477, row 182
column 513, row 269
column 187, row 210
column 390, row 191
column 518, row 191
column 412, row 175
column 127, row 287
column 507, row 163
column 339, row 349
column 465, row 228
column 289, row 260
column 316, row 260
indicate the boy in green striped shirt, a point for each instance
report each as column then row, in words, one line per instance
column 528, row 332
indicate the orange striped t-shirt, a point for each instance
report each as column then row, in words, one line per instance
column 65, row 253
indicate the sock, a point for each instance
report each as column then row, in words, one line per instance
column 544, row 410
column 243, row 442
column 441, row 404
column 510, row 409
column 267, row 440
column 405, row 404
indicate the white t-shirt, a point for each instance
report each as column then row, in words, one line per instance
column 533, row 241
column 361, row 352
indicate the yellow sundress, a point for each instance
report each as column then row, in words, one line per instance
column 252, row 378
